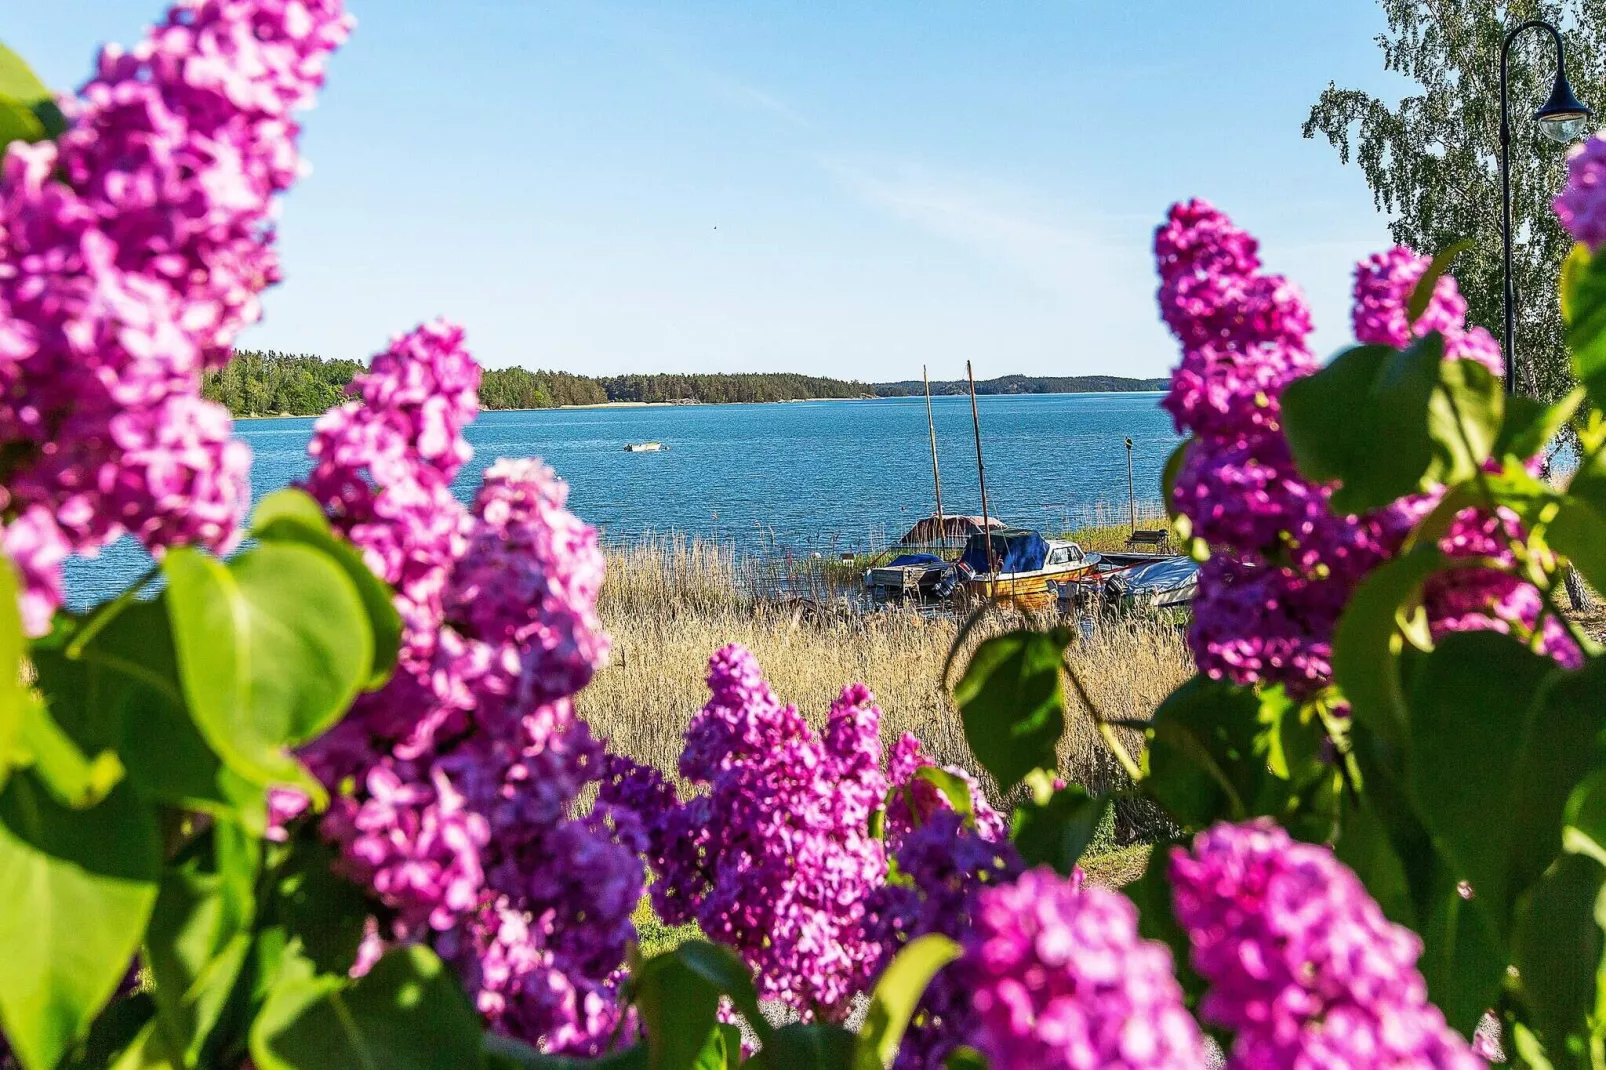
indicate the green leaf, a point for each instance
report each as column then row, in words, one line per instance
column 200, row 936
column 1368, row 640
column 1385, row 423
column 117, row 1029
column 677, row 995
column 1201, row 762
column 292, row 516
column 896, row 995
column 1057, row 832
column 407, row 1013
column 953, row 787
column 1557, row 950
column 78, row 887
column 1573, row 267
column 1463, row 958
column 21, row 88
column 1422, row 292
column 122, row 691
column 272, row 648
column 18, row 123
column 14, row 699
column 1012, row 703
column 1578, row 532
column 725, row 970
column 1585, row 297
column 74, row 779
column 807, row 1047
column 1530, row 426
column 322, row 910
column 964, row 1057
column 1501, row 752
column 1364, row 846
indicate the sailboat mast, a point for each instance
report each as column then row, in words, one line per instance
column 936, row 476
column 981, row 474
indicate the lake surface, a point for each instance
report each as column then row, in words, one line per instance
column 815, row 476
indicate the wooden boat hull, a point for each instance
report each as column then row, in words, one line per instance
column 1028, row 591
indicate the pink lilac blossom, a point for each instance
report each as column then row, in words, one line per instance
column 775, row 859
column 1302, row 965
column 1284, row 564
column 132, row 250
column 1060, row 979
column 912, row 800
column 454, row 786
column 1581, row 207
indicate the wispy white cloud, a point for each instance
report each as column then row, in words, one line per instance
column 1050, row 245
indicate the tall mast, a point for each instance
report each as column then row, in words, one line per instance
column 981, row 476
column 936, row 476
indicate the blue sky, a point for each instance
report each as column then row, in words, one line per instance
column 838, row 189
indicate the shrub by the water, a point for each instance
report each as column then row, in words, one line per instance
column 336, row 800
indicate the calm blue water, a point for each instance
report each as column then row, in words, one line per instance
column 806, row 476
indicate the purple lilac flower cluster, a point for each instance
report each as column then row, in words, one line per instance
column 1286, row 563
column 775, row 859
column 455, row 784
column 132, row 250
column 1059, row 978
column 1582, row 204
column 942, row 863
column 1267, row 606
column 1301, row 963
column 1465, row 599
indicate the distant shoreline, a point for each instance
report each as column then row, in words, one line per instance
column 783, row 401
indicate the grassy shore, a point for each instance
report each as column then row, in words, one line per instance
column 669, row 605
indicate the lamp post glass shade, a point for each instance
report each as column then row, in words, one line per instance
column 1562, row 118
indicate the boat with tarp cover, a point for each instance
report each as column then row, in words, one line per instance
column 1020, row 568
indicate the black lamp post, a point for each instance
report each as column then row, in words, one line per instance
column 1561, row 119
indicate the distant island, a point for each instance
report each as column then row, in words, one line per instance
column 270, row 383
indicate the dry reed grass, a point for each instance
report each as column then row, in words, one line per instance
column 672, row 603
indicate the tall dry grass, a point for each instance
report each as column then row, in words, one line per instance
column 670, row 604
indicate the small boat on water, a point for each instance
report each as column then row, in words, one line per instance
column 644, row 447
column 1020, row 568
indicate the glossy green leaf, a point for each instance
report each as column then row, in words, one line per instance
column 1530, row 426
column 964, row 1057
column 1463, row 957
column 1578, row 532
column 407, row 1013
column 1364, row 846
column 896, row 994
column 1573, row 266
column 1202, row 763
column 120, row 1027
column 78, row 887
column 953, row 787
column 1557, row 949
column 71, row 776
column 292, row 516
column 1369, row 637
column 1012, row 703
column 272, row 648
column 14, row 699
column 678, row 1010
column 1499, row 754
column 21, row 88
column 1056, row 833
column 1585, row 296
column 18, row 123
column 1422, row 293
column 807, row 1047
column 725, row 970
column 122, row 690
column 1384, row 423
column 200, row 935
column 321, row 910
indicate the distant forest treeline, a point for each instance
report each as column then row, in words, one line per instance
column 271, row 383
column 1025, row 384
